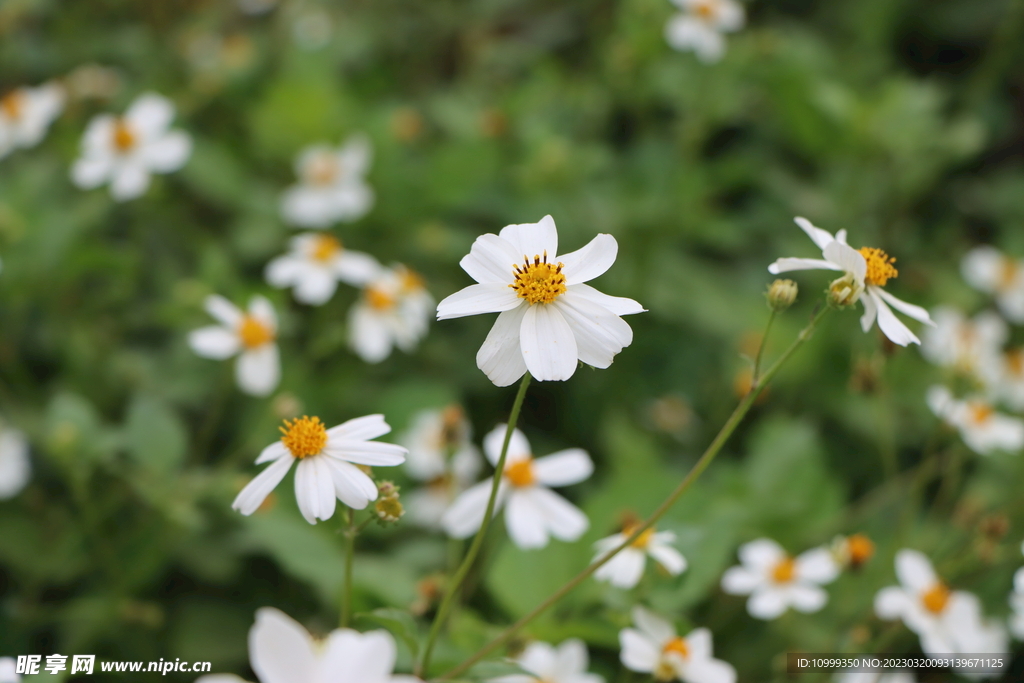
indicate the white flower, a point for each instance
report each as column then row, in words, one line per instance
column 251, row 335
column 701, row 25
column 394, row 310
column 987, row 269
column 125, row 150
column 653, row 647
column 947, row 621
column 982, row 428
column 873, row 677
column 26, row 114
column 331, row 186
column 315, row 264
column 867, row 271
column 968, row 345
column 532, row 510
column 9, row 670
column 282, row 651
column 625, row 569
column 441, row 454
column 15, row 467
column 549, row 318
column 775, row 581
column 547, row 664
column 327, row 465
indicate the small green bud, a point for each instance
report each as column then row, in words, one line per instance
column 781, row 295
column 388, row 507
column 844, row 292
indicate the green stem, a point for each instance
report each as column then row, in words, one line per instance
column 760, row 350
column 474, row 549
column 351, row 531
column 705, row 460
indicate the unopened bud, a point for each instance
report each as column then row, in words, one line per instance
column 388, row 507
column 781, row 295
column 844, row 292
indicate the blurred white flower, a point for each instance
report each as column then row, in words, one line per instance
column 533, row 511
column 442, row 455
column 982, row 428
column 548, row 318
column 331, row 186
column 626, row 569
column 1009, row 384
column 987, row 269
column 775, row 581
column 653, row 647
column 26, row 115
column 327, row 468
column 394, row 310
column 9, row 670
column 15, row 466
column 701, row 25
column 315, row 264
column 968, row 345
column 125, row 150
column 547, row 664
column 874, row 677
column 251, row 335
column 867, row 271
column 947, row 621
column 282, row 651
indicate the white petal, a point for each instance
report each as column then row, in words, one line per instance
column 261, row 309
column 915, row 571
column 490, row 260
column 572, row 659
column 525, row 521
column 761, row 554
column 369, row 335
column 638, row 652
column 767, row 603
column 981, row 268
column 258, row 370
column 360, row 428
column 807, row 598
column 500, row 356
column 223, row 310
column 624, row 570
column 352, row 486
column 600, row 335
column 280, row 650
column 818, row 236
column 786, row 265
column 891, row 326
column 915, row 312
column 214, row 342
column 356, row 154
column 816, row 566
column 273, row 452
column 307, row 207
column 355, row 268
column 316, row 286
column 169, row 153
column 870, row 313
column 548, row 344
column 130, row 180
column 539, row 659
column 464, row 517
column 307, row 493
column 285, row 271
column 699, row 643
column 15, row 466
column 373, row 453
column 351, row 201
column 668, row 557
column 150, row 114
column 740, row 581
column 478, row 299
column 257, row 490
column 711, row 671
column 891, row 603
column 518, row 445
column 652, row 626
column 731, row 16
column 91, row 171
column 848, row 258
column 563, row 468
column 619, row 305
column 351, row 657
column 590, row 261
column 565, row 521
column 684, row 32
column 532, row 239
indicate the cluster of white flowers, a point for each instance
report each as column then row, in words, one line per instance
column 26, row 115
column 974, row 350
column 776, row 581
column 700, row 25
column 654, row 648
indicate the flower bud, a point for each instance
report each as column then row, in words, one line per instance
column 388, row 507
column 844, row 292
column 781, row 295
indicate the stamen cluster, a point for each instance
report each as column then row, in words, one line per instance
column 880, row 268
column 539, row 282
column 304, row 436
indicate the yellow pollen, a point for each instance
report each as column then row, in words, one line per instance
column 379, row 299
column 325, row 247
column 520, row 473
column 880, row 268
column 861, row 548
column 706, row 10
column 13, row 104
column 254, row 333
column 784, row 571
column 1008, row 272
column 124, row 137
column 935, row 598
column 677, row 645
column 324, row 169
column 643, row 540
column 981, row 412
column 304, row 436
column 539, row 282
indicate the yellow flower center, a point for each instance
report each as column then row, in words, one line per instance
column 324, row 169
column 706, row 10
column 539, row 282
column 1015, row 362
column 13, row 104
column 123, row 137
column 411, row 281
column 379, row 299
column 643, row 540
column 784, row 571
column 325, row 247
column 304, row 436
column 880, row 268
column 980, row 412
column 936, row 598
column 677, row 645
column 861, row 549
column 254, row 333
column 520, row 473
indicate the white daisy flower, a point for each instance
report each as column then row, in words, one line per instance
column 15, row 466
column 26, row 115
column 653, row 647
column 969, row 345
column 331, row 186
column 9, row 670
column 947, row 621
column 701, row 25
column 987, row 269
column 547, row 664
column 314, row 266
column 984, row 430
column 874, row 677
column 549, row 318
column 442, row 455
column 394, row 310
column 251, row 335
column 533, row 511
column 625, row 569
column 867, row 271
column 327, row 468
column 775, row 581
column 282, row 651
column 125, row 150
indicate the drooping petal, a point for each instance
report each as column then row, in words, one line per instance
column 590, row 261
column 351, row 485
column 257, row 490
column 848, row 258
column 478, row 299
column 668, row 557
column 169, row 152
column 525, row 521
column 500, row 357
column 786, row 265
column 532, row 239
column 258, row 370
column 373, row 453
column 638, row 652
column 360, row 428
column 518, row 445
column 891, row 326
column 870, row 313
column 624, row 570
column 619, row 305
column 563, row 468
column 306, row 494
column 565, row 521
column 214, row 342
column 490, row 260
column 548, row 344
column 820, row 237
column 280, row 650
column 324, row 483
column 273, row 452
column 915, row 312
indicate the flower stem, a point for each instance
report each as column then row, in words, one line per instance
column 760, row 350
column 709, row 455
column 350, row 532
column 474, row 548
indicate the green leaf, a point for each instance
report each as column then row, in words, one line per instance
column 155, row 435
column 399, row 622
